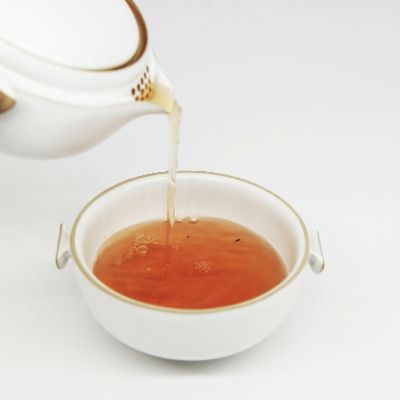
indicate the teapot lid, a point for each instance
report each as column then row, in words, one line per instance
column 94, row 35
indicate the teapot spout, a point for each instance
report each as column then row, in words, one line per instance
column 163, row 97
column 158, row 96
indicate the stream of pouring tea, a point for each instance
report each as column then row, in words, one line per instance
column 165, row 99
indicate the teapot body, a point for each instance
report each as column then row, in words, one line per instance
column 56, row 103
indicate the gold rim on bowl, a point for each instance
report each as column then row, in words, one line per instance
column 100, row 285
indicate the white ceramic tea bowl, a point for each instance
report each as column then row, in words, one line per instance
column 183, row 334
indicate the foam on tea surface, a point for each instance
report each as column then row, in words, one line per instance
column 210, row 262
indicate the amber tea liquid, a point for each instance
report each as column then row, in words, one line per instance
column 210, row 263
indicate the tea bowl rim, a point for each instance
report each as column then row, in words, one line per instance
column 118, row 296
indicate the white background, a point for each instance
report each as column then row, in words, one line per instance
column 300, row 96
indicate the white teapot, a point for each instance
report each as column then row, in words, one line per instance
column 71, row 73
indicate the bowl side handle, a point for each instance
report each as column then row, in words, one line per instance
column 63, row 253
column 317, row 259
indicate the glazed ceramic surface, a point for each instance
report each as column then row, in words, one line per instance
column 63, row 93
column 183, row 334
